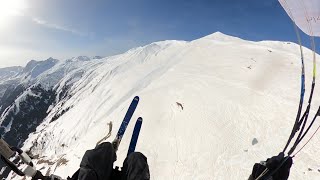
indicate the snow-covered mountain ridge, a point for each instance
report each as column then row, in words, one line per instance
column 232, row 91
column 27, row 93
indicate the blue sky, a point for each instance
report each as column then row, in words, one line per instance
column 67, row 28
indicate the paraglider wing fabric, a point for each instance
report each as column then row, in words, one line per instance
column 305, row 13
column 97, row 164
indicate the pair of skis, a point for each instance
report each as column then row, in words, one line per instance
column 123, row 127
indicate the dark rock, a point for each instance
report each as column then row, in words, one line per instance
column 254, row 141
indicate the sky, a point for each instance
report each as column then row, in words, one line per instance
column 39, row 29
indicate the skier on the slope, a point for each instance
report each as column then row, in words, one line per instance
column 97, row 164
column 274, row 168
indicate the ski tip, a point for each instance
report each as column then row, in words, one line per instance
column 139, row 119
column 136, row 98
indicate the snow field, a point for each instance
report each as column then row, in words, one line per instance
column 231, row 91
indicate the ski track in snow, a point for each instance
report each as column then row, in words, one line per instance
column 231, row 90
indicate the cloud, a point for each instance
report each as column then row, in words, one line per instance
column 57, row 27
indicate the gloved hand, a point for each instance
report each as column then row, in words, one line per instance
column 278, row 168
column 97, row 163
column 39, row 175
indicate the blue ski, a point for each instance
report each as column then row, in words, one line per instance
column 135, row 136
column 125, row 122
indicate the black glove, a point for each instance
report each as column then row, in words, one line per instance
column 278, row 168
column 97, row 163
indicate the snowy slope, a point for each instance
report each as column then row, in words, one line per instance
column 231, row 90
column 6, row 78
column 9, row 72
column 27, row 94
